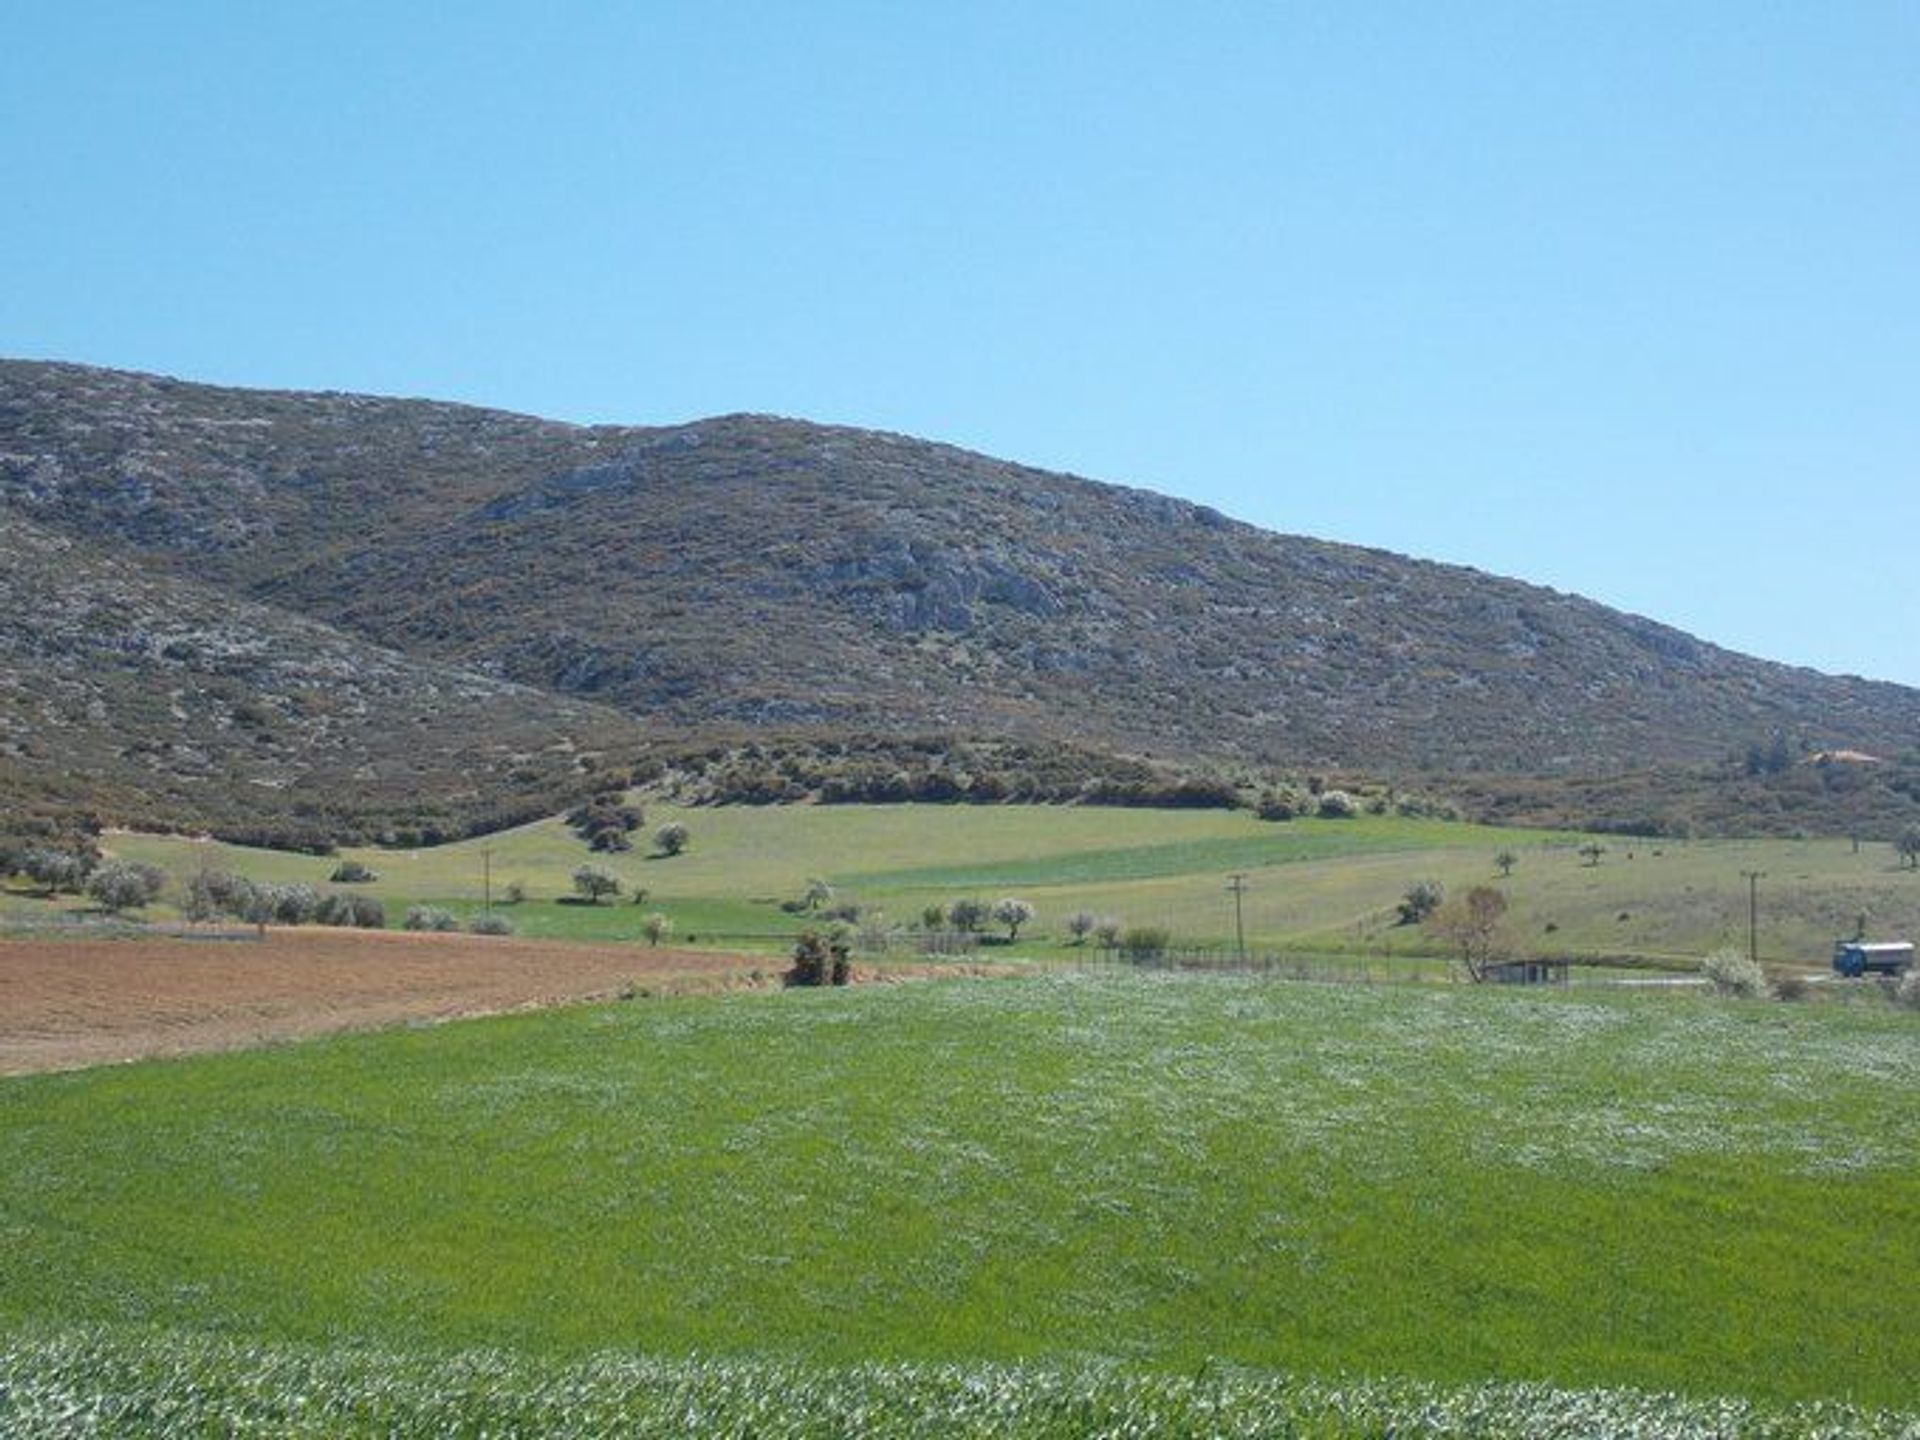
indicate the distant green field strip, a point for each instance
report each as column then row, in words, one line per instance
column 1181, row 857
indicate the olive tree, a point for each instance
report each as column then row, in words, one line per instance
column 126, row 885
column 967, row 915
column 1013, row 914
column 592, row 883
column 57, row 870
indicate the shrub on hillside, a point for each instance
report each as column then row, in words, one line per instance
column 1906, row 992
column 1337, row 805
column 1080, row 925
column 1283, row 802
column 1732, row 973
column 490, row 925
column 606, row 821
column 1106, row 931
column 671, row 838
column 1423, row 897
column 429, row 917
column 352, row 872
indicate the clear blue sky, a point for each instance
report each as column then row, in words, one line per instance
column 1621, row 298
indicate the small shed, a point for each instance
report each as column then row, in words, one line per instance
column 1527, row 972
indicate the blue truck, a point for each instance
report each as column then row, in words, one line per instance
column 1854, row 958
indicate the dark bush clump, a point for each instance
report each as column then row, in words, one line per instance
column 818, row 961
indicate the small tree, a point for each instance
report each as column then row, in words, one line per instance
column 656, row 927
column 1106, row 930
column 1472, row 923
column 1907, row 845
column 592, row 883
column 934, row 917
column 516, row 893
column 1423, row 897
column 430, row 918
column 818, row 893
column 967, row 915
column 1080, row 925
column 1013, row 914
column 671, row 838
column 213, row 893
column 258, row 906
column 1592, row 851
column 126, row 885
column 1506, row 860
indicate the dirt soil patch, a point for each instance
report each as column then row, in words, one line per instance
column 70, row 1003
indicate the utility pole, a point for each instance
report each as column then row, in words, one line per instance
column 1237, row 887
column 486, row 880
column 1753, row 913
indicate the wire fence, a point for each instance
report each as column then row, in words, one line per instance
column 1277, row 965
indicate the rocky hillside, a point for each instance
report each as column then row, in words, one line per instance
column 145, row 696
column 747, row 572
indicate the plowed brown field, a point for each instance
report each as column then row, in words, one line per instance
column 65, row 1003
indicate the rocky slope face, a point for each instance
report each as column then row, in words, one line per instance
column 752, row 572
column 147, row 696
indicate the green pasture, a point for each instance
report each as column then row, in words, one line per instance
column 1319, row 885
column 1168, row 1173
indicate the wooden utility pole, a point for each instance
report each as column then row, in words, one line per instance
column 1237, row 887
column 486, row 880
column 1753, row 913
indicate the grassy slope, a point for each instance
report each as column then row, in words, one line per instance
column 1455, row 1185
column 1326, row 885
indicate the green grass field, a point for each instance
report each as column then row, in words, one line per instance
column 1165, row 1173
column 1316, row 885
